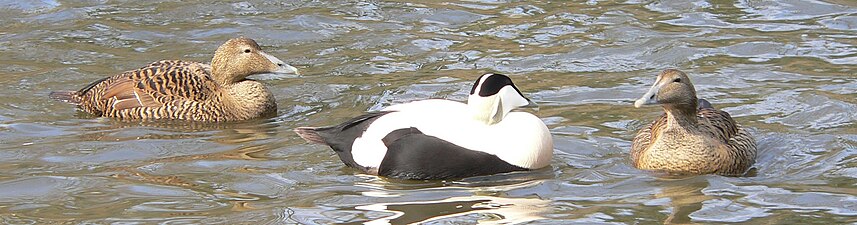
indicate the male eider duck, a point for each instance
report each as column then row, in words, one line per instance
column 692, row 137
column 441, row 139
column 184, row 90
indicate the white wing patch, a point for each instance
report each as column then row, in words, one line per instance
column 137, row 97
column 116, row 100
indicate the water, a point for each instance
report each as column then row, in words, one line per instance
column 786, row 69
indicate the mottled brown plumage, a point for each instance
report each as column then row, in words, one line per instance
column 691, row 137
column 183, row 90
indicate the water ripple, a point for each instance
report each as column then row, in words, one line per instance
column 783, row 69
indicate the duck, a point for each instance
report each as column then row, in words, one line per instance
column 691, row 137
column 187, row 90
column 438, row 139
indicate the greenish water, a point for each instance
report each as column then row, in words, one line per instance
column 786, row 69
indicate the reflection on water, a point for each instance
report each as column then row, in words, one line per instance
column 405, row 202
column 490, row 210
column 785, row 69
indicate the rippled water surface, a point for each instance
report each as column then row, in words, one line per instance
column 786, row 69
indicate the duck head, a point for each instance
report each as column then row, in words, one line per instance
column 493, row 96
column 241, row 57
column 672, row 89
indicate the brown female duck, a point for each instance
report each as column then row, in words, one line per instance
column 184, row 90
column 691, row 137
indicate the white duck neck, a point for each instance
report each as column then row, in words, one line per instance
column 488, row 110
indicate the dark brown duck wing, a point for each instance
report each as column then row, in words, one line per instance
column 741, row 147
column 719, row 124
column 155, row 85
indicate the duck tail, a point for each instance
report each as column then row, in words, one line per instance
column 66, row 96
column 310, row 134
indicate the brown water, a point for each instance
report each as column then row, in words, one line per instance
column 786, row 69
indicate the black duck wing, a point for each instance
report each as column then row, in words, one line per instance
column 416, row 156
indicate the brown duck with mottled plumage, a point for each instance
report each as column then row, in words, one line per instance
column 184, row 90
column 691, row 137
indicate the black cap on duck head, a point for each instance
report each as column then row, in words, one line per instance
column 671, row 88
column 493, row 96
column 241, row 57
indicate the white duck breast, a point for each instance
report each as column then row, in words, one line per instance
column 441, row 139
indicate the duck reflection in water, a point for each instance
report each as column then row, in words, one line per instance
column 493, row 210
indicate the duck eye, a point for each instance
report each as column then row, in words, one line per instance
column 246, row 50
column 677, row 80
